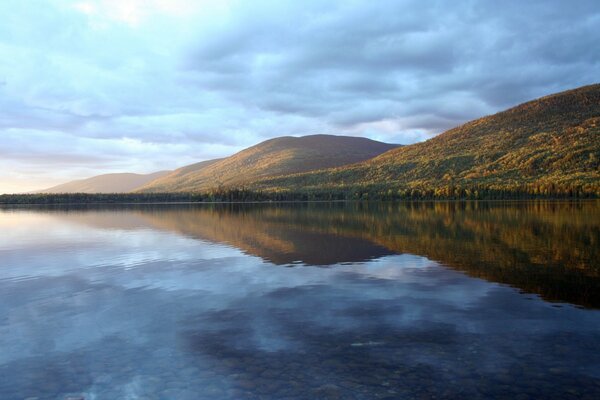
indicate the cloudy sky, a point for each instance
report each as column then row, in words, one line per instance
column 96, row 86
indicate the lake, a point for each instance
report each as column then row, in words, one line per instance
column 440, row 300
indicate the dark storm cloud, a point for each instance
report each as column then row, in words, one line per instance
column 316, row 60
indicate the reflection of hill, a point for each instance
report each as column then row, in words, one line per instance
column 545, row 248
column 270, row 233
column 540, row 247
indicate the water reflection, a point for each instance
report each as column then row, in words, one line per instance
column 193, row 302
column 547, row 248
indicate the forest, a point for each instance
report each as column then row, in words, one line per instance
column 352, row 193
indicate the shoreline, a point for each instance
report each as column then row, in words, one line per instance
column 395, row 201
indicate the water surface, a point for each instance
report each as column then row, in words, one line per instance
column 306, row 301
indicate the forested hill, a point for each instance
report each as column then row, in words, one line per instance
column 274, row 157
column 549, row 145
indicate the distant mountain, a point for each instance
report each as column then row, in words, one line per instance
column 107, row 183
column 275, row 157
column 546, row 144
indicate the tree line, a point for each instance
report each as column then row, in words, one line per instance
column 375, row 193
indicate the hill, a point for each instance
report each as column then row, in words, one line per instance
column 548, row 145
column 107, row 183
column 274, row 157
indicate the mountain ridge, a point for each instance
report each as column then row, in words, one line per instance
column 124, row 182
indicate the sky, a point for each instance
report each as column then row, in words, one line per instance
column 98, row 86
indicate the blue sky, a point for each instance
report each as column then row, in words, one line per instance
column 97, row 86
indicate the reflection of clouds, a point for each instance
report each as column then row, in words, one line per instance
column 31, row 251
column 96, row 279
column 323, row 323
column 387, row 267
column 145, row 298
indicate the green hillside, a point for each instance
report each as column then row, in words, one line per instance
column 275, row 157
column 549, row 145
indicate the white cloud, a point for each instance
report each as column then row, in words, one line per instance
column 136, row 12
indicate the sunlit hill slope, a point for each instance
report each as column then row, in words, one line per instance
column 546, row 145
column 275, row 157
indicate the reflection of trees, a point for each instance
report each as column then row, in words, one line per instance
column 541, row 247
column 549, row 249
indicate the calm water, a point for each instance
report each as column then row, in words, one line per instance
column 311, row 301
